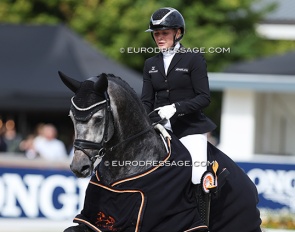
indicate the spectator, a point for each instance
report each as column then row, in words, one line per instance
column 27, row 146
column 39, row 132
column 3, row 146
column 48, row 146
column 11, row 138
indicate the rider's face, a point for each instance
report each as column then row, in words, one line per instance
column 165, row 38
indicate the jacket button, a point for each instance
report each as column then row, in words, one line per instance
column 167, row 90
column 165, row 80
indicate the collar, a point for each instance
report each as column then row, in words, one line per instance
column 170, row 51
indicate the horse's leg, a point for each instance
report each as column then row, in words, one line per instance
column 78, row 228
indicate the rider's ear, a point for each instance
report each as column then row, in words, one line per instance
column 102, row 83
column 178, row 33
column 71, row 83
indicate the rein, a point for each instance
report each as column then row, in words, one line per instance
column 138, row 134
column 131, row 138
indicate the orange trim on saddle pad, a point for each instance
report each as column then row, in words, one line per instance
column 139, row 216
column 147, row 172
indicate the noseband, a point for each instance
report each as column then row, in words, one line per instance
column 81, row 144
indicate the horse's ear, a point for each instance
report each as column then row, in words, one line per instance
column 71, row 83
column 102, row 83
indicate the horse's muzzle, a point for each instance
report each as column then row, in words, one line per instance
column 81, row 165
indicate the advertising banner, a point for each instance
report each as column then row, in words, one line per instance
column 32, row 193
column 56, row 194
column 275, row 184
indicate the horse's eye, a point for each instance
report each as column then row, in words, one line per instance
column 98, row 119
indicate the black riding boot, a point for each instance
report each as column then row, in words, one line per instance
column 203, row 200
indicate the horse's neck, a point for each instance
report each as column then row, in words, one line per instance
column 134, row 157
column 145, row 147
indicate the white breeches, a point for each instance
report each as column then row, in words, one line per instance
column 197, row 146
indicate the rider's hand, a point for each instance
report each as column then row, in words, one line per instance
column 166, row 111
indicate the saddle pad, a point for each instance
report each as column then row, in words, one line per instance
column 112, row 210
column 161, row 199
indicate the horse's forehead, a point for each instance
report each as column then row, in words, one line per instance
column 87, row 101
column 86, row 95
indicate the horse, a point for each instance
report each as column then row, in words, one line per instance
column 142, row 181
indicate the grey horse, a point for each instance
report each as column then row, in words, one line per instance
column 142, row 182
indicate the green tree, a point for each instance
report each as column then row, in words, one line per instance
column 114, row 24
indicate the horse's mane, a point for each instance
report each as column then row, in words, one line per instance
column 119, row 81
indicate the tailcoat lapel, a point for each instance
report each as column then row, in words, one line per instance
column 177, row 57
column 160, row 64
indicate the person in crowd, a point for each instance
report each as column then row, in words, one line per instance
column 48, row 146
column 11, row 137
column 3, row 146
column 176, row 88
column 27, row 147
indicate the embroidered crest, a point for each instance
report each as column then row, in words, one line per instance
column 106, row 222
column 153, row 70
column 181, row 69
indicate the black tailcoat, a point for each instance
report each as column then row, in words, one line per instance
column 186, row 85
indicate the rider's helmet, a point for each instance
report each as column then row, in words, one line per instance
column 167, row 18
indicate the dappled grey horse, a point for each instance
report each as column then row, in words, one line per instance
column 143, row 180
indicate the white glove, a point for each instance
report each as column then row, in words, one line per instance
column 166, row 111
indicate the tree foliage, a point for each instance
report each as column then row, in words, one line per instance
column 116, row 25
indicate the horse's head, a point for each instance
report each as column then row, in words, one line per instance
column 92, row 118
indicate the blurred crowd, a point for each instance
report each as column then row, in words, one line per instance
column 43, row 143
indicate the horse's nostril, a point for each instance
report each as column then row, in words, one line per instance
column 85, row 167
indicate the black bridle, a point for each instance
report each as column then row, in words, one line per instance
column 82, row 144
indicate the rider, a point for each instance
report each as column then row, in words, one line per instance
column 175, row 85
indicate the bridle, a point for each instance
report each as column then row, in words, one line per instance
column 82, row 144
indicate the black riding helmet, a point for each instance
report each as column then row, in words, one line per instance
column 167, row 18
